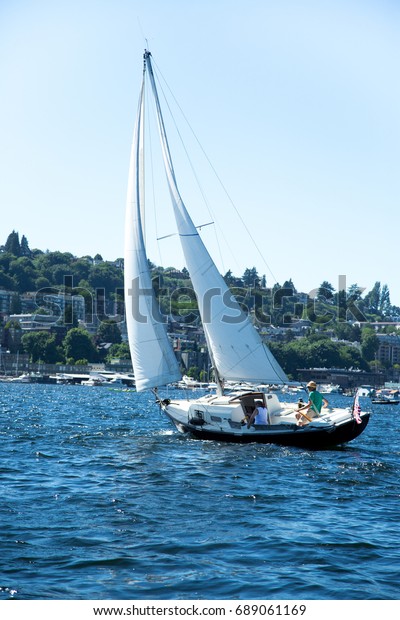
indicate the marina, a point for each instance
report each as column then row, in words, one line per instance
column 95, row 378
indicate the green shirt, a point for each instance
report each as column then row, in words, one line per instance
column 316, row 399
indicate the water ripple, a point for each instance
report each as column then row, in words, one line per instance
column 102, row 499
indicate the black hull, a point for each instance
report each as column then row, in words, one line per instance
column 302, row 437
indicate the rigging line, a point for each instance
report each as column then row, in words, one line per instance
column 218, row 177
column 180, row 137
column 184, row 147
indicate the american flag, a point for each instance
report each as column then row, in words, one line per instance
column 357, row 409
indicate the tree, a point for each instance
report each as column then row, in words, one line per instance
column 11, row 338
column 6, row 282
column 25, row 251
column 24, row 273
column 326, row 290
column 351, row 358
column 80, row 270
column 346, row 331
column 325, row 354
column 41, row 346
column 12, row 245
column 70, row 319
column 369, row 344
column 58, row 273
column 232, row 280
column 119, row 351
column 289, row 285
column 316, row 351
column 106, row 276
column 229, row 279
column 384, row 302
column 78, row 345
column 289, row 335
column 250, row 278
column 41, row 282
column 355, row 291
column 372, row 299
column 109, row 332
column 193, row 372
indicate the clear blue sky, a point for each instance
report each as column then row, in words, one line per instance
column 296, row 103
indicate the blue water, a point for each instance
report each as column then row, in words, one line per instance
column 102, row 499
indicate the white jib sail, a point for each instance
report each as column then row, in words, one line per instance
column 236, row 347
column 153, row 359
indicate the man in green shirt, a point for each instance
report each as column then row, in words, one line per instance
column 313, row 408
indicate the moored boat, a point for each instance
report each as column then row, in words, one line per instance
column 386, row 396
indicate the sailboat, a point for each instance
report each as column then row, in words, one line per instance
column 236, row 349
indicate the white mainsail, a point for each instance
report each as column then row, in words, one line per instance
column 235, row 346
column 153, row 359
